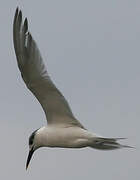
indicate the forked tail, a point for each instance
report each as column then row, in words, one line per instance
column 102, row 143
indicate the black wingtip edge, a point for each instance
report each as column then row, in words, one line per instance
column 26, row 24
column 16, row 13
column 20, row 14
column 17, row 9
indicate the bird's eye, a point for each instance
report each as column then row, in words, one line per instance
column 30, row 141
column 31, row 138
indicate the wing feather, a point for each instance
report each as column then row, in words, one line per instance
column 36, row 78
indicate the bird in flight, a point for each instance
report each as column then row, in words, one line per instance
column 63, row 129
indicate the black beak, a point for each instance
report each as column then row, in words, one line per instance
column 29, row 157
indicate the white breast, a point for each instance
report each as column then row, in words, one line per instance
column 71, row 137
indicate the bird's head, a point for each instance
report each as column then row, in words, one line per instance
column 33, row 145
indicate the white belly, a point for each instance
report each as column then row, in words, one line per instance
column 70, row 137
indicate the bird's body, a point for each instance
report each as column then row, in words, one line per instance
column 64, row 137
column 63, row 129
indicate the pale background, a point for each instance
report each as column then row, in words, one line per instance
column 92, row 50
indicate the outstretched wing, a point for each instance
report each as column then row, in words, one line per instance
column 36, row 78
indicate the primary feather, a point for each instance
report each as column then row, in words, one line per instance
column 36, row 78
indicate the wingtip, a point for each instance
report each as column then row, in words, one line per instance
column 16, row 12
column 20, row 14
column 26, row 24
column 17, row 9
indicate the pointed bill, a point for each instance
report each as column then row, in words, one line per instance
column 29, row 157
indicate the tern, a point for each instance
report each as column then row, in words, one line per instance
column 63, row 129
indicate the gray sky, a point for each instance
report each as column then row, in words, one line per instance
column 92, row 52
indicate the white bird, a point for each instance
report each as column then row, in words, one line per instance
column 63, row 129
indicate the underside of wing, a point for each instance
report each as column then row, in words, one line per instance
column 36, row 78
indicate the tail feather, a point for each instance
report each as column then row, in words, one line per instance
column 108, row 143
